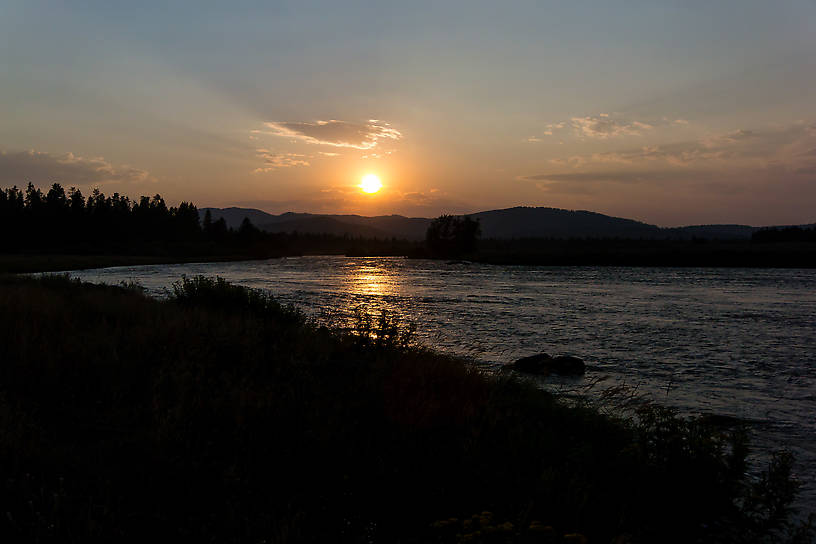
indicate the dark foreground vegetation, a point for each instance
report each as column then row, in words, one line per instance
column 221, row 416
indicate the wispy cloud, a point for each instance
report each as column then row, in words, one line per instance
column 603, row 126
column 275, row 161
column 618, row 176
column 66, row 168
column 785, row 152
column 791, row 145
column 363, row 136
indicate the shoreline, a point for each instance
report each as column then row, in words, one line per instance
column 560, row 253
column 22, row 263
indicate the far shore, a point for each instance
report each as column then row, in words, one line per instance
column 21, row 263
column 574, row 252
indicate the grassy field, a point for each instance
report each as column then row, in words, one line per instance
column 221, row 416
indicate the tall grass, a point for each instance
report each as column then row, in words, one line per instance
column 220, row 415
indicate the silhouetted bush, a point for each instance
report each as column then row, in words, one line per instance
column 219, row 295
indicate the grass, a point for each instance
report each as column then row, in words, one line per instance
column 220, row 415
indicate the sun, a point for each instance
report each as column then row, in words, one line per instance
column 370, row 184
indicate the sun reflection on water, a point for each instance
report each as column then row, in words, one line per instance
column 371, row 281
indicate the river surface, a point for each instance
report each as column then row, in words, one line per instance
column 732, row 342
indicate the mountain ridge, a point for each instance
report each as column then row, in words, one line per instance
column 507, row 223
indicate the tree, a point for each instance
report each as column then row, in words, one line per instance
column 77, row 201
column 451, row 235
column 208, row 222
column 56, row 200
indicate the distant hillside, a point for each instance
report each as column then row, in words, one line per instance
column 321, row 224
column 522, row 222
column 234, row 216
column 384, row 226
column 518, row 222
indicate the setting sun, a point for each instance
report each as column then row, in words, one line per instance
column 370, row 184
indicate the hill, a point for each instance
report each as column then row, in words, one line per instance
column 518, row 222
column 384, row 226
column 523, row 222
column 322, row 224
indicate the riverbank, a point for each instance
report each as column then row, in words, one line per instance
column 589, row 252
column 644, row 253
column 221, row 414
column 21, row 263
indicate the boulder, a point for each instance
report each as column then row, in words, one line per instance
column 568, row 365
column 534, row 364
column 543, row 364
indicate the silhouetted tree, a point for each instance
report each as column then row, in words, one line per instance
column 31, row 221
column 208, row 223
column 219, row 229
column 450, row 235
column 77, row 201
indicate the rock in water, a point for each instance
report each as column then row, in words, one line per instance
column 543, row 364
column 534, row 364
column 569, row 365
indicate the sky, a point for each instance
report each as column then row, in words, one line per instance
column 673, row 113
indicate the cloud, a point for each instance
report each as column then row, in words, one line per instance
column 603, row 126
column 619, row 176
column 274, row 161
column 728, row 160
column 68, row 169
column 610, row 125
column 363, row 136
column 791, row 145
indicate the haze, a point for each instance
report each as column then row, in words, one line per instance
column 674, row 114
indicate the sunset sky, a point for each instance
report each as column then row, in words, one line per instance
column 673, row 113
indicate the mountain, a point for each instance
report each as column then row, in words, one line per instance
column 518, row 222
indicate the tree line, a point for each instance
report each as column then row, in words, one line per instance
column 33, row 220
column 784, row 234
column 60, row 221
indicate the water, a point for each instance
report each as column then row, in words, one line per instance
column 734, row 342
